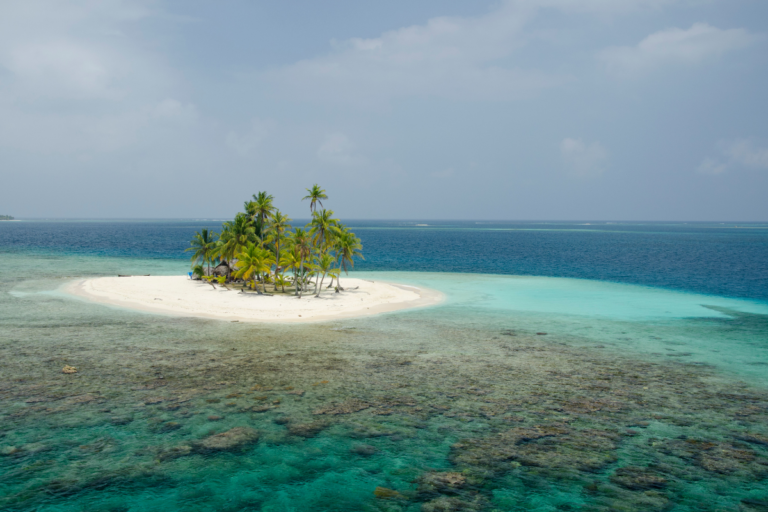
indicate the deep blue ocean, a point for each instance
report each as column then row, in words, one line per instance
column 573, row 366
column 712, row 258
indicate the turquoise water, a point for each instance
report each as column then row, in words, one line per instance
column 637, row 397
column 727, row 333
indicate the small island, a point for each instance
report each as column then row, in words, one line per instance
column 260, row 268
column 260, row 247
column 6, row 217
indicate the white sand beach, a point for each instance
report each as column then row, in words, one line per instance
column 180, row 296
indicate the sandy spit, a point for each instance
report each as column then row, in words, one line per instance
column 180, row 296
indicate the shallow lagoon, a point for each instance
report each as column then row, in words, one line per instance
column 636, row 398
column 458, row 407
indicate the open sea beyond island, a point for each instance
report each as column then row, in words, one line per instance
column 572, row 366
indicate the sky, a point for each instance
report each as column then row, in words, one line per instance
column 437, row 109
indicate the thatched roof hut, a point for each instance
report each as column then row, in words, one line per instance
column 222, row 269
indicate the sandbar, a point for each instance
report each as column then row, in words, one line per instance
column 181, row 296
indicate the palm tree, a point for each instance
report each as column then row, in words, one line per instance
column 250, row 210
column 315, row 195
column 290, row 260
column 281, row 282
column 333, row 240
column 347, row 247
column 280, row 223
column 252, row 261
column 322, row 223
column 203, row 243
column 261, row 237
column 323, row 266
column 234, row 237
column 262, row 208
column 302, row 244
column 198, row 271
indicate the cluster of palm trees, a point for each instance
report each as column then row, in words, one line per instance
column 260, row 246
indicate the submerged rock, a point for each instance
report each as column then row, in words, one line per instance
column 347, row 407
column 33, row 448
column 175, row 452
column 365, row 450
column 120, row 420
column 104, row 444
column 716, row 457
column 589, row 406
column 9, row 450
column 168, row 426
column 546, row 446
column 307, row 429
column 383, row 493
column 445, row 504
column 756, row 505
column 440, row 482
column 234, row 439
column 754, row 438
column 638, row 479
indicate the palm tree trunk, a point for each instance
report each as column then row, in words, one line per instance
column 277, row 260
column 338, row 278
column 300, row 283
column 343, row 266
column 320, row 288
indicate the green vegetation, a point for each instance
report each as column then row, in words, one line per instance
column 6, row 217
column 198, row 271
column 260, row 247
column 203, row 245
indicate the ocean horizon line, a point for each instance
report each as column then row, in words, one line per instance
column 406, row 220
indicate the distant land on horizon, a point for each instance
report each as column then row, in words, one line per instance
column 6, row 217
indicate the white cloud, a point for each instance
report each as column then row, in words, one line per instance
column 449, row 57
column 465, row 58
column 583, row 160
column 74, row 50
column 73, row 83
column 60, row 68
column 604, row 6
column 677, row 46
column 736, row 153
column 747, row 154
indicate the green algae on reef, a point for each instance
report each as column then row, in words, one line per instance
column 317, row 418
